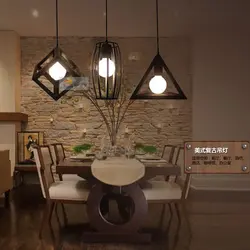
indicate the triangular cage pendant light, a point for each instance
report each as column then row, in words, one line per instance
column 155, row 84
column 56, row 74
column 106, row 68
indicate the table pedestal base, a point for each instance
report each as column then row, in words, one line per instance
column 132, row 206
column 100, row 237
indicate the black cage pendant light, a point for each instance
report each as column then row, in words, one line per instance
column 106, row 68
column 56, row 74
column 155, row 82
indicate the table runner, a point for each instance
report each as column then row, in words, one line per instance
column 118, row 171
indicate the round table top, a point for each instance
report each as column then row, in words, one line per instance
column 118, row 171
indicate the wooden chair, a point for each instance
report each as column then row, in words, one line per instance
column 168, row 153
column 56, row 192
column 5, row 175
column 171, row 154
column 169, row 193
column 59, row 155
column 180, row 162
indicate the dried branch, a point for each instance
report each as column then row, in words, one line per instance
column 96, row 104
column 123, row 115
column 99, row 126
column 116, row 109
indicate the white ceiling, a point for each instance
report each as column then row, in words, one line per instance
column 134, row 18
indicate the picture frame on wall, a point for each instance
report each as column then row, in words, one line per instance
column 25, row 141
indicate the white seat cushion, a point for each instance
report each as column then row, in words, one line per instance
column 69, row 190
column 72, row 177
column 162, row 190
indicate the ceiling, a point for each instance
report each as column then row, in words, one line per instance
column 127, row 18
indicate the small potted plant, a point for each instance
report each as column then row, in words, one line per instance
column 82, row 149
column 150, row 150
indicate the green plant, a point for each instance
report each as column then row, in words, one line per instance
column 150, row 149
column 79, row 148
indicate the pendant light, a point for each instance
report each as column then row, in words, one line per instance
column 157, row 84
column 106, row 68
column 56, row 74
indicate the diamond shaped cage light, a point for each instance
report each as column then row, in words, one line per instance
column 56, row 74
column 67, row 76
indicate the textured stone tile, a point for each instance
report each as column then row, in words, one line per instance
column 174, row 115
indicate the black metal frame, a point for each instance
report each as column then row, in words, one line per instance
column 56, row 55
column 106, row 88
column 41, row 69
column 158, row 65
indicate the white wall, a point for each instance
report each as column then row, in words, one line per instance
column 9, row 71
column 8, row 141
column 221, row 98
column 10, row 56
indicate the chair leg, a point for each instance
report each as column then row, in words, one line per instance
column 57, row 216
column 188, row 188
column 49, row 221
column 177, row 208
column 185, row 214
column 64, row 215
column 170, row 218
column 162, row 216
column 7, row 198
column 46, row 216
column 51, row 212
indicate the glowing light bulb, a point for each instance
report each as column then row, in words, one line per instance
column 157, row 84
column 106, row 70
column 57, row 71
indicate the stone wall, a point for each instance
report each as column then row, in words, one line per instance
column 69, row 120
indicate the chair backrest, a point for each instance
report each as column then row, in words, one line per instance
column 168, row 153
column 184, row 177
column 59, row 152
column 44, row 164
column 179, row 161
column 5, row 171
column 175, row 154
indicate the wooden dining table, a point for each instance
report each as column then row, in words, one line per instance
column 128, row 195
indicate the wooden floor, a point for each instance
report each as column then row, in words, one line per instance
column 219, row 221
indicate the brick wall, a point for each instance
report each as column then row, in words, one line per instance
column 69, row 121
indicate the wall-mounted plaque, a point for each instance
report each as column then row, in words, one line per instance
column 212, row 157
column 25, row 141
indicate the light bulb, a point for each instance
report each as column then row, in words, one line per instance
column 106, row 70
column 157, row 84
column 57, row 71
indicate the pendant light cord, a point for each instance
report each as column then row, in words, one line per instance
column 106, row 20
column 157, row 27
column 57, row 23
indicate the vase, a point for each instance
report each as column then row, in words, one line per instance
column 112, row 151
